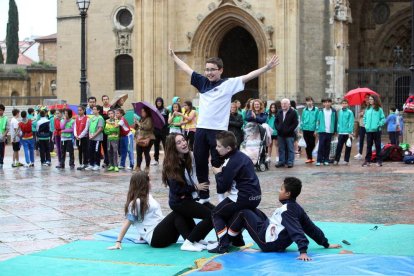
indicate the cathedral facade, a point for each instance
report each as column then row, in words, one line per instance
column 325, row 47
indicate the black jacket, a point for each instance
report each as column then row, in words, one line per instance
column 235, row 126
column 287, row 127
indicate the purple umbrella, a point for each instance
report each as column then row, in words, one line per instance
column 156, row 116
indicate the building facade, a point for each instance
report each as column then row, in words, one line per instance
column 326, row 47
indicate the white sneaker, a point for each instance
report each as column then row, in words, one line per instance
column 212, row 245
column 95, row 168
column 189, row 246
column 358, row 156
column 276, row 160
column 154, row 163
column 88, row 168
column 200, row 245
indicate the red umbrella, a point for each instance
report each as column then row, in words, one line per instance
column 357, row 96
column 157, row 118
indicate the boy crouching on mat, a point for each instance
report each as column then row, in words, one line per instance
column 288, row 224
column 238, row 176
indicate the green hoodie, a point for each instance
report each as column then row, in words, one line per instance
column 320, row 123
column 374, row 119
column 309, row 118
column 345, row 121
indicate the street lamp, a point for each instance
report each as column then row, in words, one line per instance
column 83, row 6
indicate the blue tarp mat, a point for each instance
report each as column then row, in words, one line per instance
column 322, row 264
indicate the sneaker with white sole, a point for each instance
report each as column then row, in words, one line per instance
column 189, row 246
column 154, row 163
column 358, row 156
column 95, row 168
column 200, row 245
column 89, row 168
column 212, row 245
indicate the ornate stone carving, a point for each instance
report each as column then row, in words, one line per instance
column 123, row 45
column 200, row 17
column 189, row 35
column 246, row 5
column 260, row 17
column 223, row 2
column 381, row 13
column 269, row 30
column 342, row 11
column 211, row 6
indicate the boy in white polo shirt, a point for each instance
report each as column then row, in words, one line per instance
column 214, row 108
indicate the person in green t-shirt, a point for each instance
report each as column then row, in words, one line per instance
column 96, row 127
column 112, row 130
column 3, row 133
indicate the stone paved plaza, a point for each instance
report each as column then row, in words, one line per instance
column 43, row 207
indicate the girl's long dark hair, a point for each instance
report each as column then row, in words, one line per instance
column 174, row 165
column 139, row 187
column 270, row 109
column 377, row 102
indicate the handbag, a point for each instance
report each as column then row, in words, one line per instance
column 143, row 142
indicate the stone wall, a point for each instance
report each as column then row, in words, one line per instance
column 48, row 52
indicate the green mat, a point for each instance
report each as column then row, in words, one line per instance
column 92, row 257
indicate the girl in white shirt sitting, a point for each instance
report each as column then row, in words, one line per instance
column 144, row 212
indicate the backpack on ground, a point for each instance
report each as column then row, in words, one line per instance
column 392, row 152
column 409, row 159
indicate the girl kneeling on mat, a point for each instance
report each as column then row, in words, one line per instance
column 144, row 212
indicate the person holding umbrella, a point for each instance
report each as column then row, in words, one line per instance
column 118, row 102
column 145, row 138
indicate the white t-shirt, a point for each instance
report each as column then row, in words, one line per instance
column 327, row 114
column 152, row 217
column 14, row 135
column 215, row 100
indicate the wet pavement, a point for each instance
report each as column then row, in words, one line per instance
column 43, row 207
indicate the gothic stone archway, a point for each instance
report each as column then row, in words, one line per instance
column 212, row 33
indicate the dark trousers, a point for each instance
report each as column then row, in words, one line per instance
column 105, row 149
column 83, row 149
column 2, row 150
column 362, row 133
column 44, row 151
column 393, row 135
column 159, row 138
column 324, row 147
column 189, row 136
column 67, row 146
column 170, row 228
column 373, row 137
column 342, row 138
column 192, row 209
column 310, row 142
column 222, row 214
column 256, row 223
column 146, row 152
column 51, row 143
column 58, row 144
column 204, row 145
column 94, row 152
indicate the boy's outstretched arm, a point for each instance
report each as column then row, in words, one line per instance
column 273, row 62
column 184, row 66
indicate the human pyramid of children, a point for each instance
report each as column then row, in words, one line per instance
column 238, row 186
column 185, row 168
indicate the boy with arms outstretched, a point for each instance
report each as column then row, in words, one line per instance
column 288, row 224
column 215, row 101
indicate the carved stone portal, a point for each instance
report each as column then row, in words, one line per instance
column 343, row 11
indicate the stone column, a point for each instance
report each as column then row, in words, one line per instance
column 339, row 62
column 408, row 128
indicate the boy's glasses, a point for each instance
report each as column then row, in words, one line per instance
column 211, row 69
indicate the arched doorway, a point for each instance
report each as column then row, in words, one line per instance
column 239, row 53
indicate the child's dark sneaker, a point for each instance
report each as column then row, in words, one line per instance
column 366, row 164
column 219, row 250
column 238, row 241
